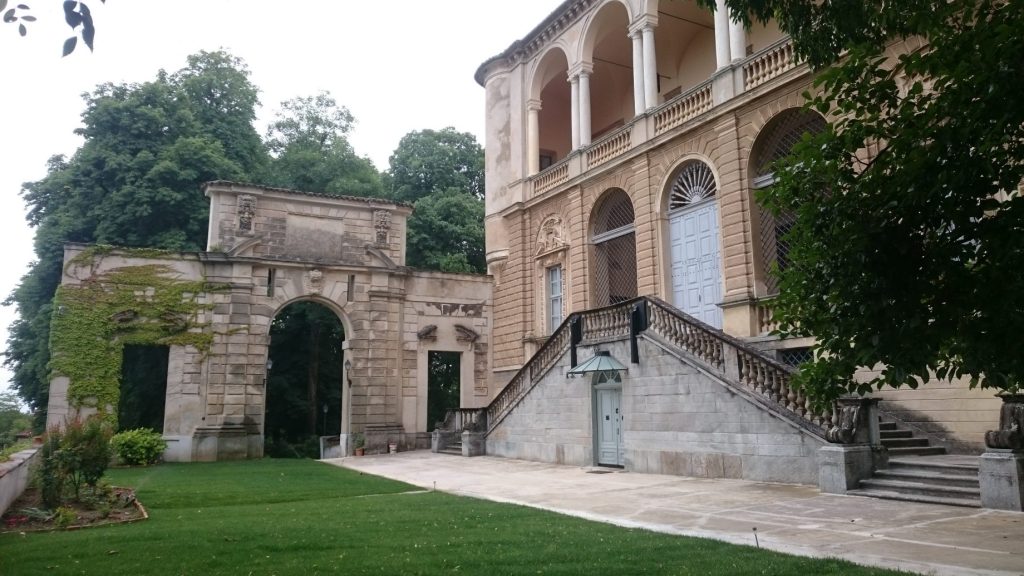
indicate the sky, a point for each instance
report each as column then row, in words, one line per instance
column 398, row 66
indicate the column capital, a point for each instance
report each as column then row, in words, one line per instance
column 646, row 21
column 581, row 69
column 533, row 104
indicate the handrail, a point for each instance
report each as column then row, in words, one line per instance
column 736, row 363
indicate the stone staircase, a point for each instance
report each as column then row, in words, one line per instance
column 919, row 472
column 454, row 448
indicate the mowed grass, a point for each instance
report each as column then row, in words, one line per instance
column 302, row 517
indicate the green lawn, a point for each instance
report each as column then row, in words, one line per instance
column 303, row 517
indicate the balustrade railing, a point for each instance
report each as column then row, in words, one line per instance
column 608, row 147
column 766, row 323
column 550, row 177
column 735, row 362
column 768, row 64
column 461, row 419
column 682, row 108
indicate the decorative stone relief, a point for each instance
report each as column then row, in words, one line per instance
column 551, row 236
column 246, row 212
column 427, row 333
column 845, row 429
column 465, row 334
column 1010, row 435
column 382, row 225
column 314, row 281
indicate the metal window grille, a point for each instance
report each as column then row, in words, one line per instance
column 554, row 298
column 614, row 250
column 795, row 356
column 774, row 144
column 694, row 183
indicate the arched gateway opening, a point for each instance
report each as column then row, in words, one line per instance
column 304, row 380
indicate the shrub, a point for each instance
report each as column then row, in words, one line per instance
column 65, row 516
column 79, row 454
column 51, row 478
column 138, row 446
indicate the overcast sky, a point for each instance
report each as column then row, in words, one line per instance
column 398, row 66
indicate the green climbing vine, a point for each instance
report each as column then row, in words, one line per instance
column 93, row 321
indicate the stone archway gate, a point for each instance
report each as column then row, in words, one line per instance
column 269, row 247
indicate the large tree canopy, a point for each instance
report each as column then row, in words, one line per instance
column 907, row 250
column 442, row 172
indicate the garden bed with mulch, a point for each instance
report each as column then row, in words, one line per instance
column 109, row 505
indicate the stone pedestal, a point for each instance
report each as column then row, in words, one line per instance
column 1001, row 475
column 841, row 467
column 474, row 443
column 227, row 442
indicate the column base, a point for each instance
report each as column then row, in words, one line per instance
column 841, row 467
column 474, row 443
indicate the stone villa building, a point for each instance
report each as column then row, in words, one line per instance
column 625, row 318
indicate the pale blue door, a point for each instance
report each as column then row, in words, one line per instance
column 696, row 276
column 609, row 426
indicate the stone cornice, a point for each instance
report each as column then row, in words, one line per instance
column 567, row 14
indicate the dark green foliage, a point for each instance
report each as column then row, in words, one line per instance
column 143, row 388
column 50, row 477
column 12, row 419
column 911, row 259
column 305, row 347
column 310, row 151
column 301, row 517
column 442, row 385
column 140, row 446
column 442, row 173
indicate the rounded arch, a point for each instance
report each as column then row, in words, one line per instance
column 606, row 51
column 613, row 248
column 774, row 142
column 593, row 28
column 337, row 309
column 550, row 91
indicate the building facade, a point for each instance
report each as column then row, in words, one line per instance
column 626, row 141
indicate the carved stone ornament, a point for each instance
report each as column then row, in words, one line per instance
column 1010, row 435
column 465, row 334
column 246, row 212
column 551, row 236
column 427, row 333
column 382, row 225
column 845, row 430
column 315, row 279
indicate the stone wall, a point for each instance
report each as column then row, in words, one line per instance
column 677, row 420
column 15, row 475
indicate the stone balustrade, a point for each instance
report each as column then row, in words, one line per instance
column 551, row 177
column 769, row 63
column 686, row 106
column 609, row 147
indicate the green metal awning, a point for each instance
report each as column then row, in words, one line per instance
column 602, row 361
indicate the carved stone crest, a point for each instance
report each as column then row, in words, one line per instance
column 381, row 225
column 246, row 212
column 551, row 236
column 314, row 281
column 465, row 334
column 427, row 333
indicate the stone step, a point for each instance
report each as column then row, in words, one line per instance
column 935, row 466
column 920, row 488
column 887, row 426
column 924, row 476
column 453, row 450
column 947, row 501
column 905, row 442
column 917, row 451
column 888, row 434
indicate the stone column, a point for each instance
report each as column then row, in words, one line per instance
column 737, row 39
column 532, row 137
column 650, row 68
column 639, row 96
column 584, row 80
column 721, row 34
column 574, row 100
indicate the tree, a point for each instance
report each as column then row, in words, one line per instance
column 906, row 251
column 134, row 182
column 76, row 15
column 429, row 161
column 309, row 149
column 441, row 172
column 12, row 420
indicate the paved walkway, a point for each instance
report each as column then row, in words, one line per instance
column 923, row 538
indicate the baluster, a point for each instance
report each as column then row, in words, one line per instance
column 790, row 398
column 801, row 403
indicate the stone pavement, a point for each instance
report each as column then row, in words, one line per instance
column 924, row 538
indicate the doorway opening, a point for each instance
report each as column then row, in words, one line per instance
column 608, row 417
column 303, row 386
column 443, row 385
column 143, row 387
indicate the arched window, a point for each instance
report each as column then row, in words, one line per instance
column 614, row 242
column 694, row 183
column 775, row 142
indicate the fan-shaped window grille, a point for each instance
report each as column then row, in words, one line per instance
column 614, row 250
column 775, row 142
column 694, row 183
